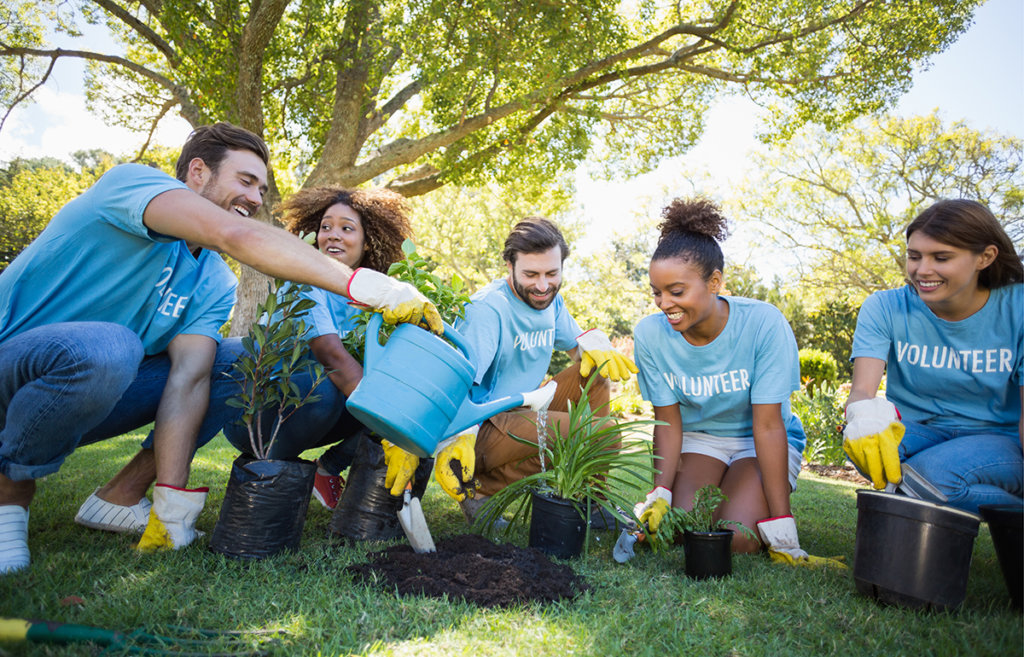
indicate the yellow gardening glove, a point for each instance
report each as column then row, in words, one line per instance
column 872, row 438
column 597, row 351
column 780, row 537
column 397, row 302
column 457, row 480
column 653, row 508
column 172, row 518
column 401, row 467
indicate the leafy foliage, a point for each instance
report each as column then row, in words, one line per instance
column 701, row 518
column 841, row 198
column 272, row 354
column 822, row 416
column 817, row 369
column 589, row 462
column 450, row 298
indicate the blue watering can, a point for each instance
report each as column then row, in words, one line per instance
column 415, row 389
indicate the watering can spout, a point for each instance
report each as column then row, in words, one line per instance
column 471, row 413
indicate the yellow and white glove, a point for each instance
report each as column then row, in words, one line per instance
column 872, row 438
column 597, row 351
column 172, row 518
column 780, row 537
column 401, row 467
column 458, row 480
column 653, row 508
column 398, row 302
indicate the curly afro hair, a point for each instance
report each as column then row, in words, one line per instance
column 690, row 231
column 384, row 216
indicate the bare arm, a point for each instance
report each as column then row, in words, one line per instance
column 772, row 452
column 867, row 376
column 668, row 440
column 186, row 215
column 182, row 407
column 345, row 371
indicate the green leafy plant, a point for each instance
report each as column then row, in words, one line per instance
column 272, row 353
column 449, row 298
column 588, row 462
column 818, row 369
column 822, row 417
column 701, row 518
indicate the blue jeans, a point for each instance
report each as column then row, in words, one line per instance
column 137, row 406
column 323, row 422
column 970, row 466
column 75, row 383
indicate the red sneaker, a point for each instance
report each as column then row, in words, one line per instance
column 327, row 489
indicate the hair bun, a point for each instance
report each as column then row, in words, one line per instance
column 694, row 215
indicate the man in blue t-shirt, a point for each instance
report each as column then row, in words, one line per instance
column 512, row 327
column 112, row 314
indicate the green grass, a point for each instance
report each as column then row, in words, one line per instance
column 645, row 607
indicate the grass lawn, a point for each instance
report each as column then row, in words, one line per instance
column 645, row 607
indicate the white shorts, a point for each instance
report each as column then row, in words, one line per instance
column 729, row 450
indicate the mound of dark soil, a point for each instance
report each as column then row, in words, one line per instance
column 474, row 569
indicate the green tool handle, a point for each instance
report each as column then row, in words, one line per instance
column 17, row 629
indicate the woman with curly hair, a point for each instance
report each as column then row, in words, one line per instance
column 360, row 228
column 719, row 371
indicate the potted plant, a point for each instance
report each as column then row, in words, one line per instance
column 265, row 503
column 584, row 468
column 707, row 541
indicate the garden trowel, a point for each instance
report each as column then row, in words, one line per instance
column 623, row 550
column 414, row 524
column 916, row 486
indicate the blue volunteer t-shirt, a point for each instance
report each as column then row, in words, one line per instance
column 963, row 374
column 753, row 361
column 97, row 261
column 332, row 314
column 512, row 342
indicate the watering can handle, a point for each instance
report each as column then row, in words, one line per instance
column 373, row 346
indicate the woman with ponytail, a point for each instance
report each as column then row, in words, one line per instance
column 719, row 371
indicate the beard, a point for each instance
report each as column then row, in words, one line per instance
column 524, row 294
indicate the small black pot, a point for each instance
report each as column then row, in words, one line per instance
column 1006, row 524
column 556, row 527
column 264, row 508
column 708, row 554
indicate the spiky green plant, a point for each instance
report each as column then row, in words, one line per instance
column 701, row 518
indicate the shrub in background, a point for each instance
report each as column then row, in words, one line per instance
column 817, row 369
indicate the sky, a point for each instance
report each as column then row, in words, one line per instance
column 980, row 79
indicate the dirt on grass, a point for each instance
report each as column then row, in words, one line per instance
column 844, row 472
column 474, row 569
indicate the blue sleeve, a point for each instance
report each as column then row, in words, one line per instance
column 566, row 329
column 652, row 385
column 481, row 330
column 873, row 336
column 124, row 192
column 777, row 362
column 213, row 302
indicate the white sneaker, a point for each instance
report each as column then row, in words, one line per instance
column 109, row 517
column 13, row 538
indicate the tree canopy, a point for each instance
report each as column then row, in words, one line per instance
column 423, row 92
column 841, row 199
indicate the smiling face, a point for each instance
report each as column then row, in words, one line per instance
column 537, row 277
column 341, row 235
column 238, row 185
column 945, row 276
column 690, row 302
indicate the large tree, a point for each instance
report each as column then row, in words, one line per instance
column 841, row 199
column 419, row 93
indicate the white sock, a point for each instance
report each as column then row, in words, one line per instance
column 13, row 538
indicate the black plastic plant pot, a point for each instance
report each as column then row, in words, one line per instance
column 1006, row 524
column 366, row 510
column 912, row 553
column 264, row 508
column 708, row 554
column 556, row 527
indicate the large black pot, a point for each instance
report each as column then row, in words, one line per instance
column 1006, row 524
column 911, row 552
column 367, row 511
column 264, row 508
column 557, row 527
column 708, row 554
